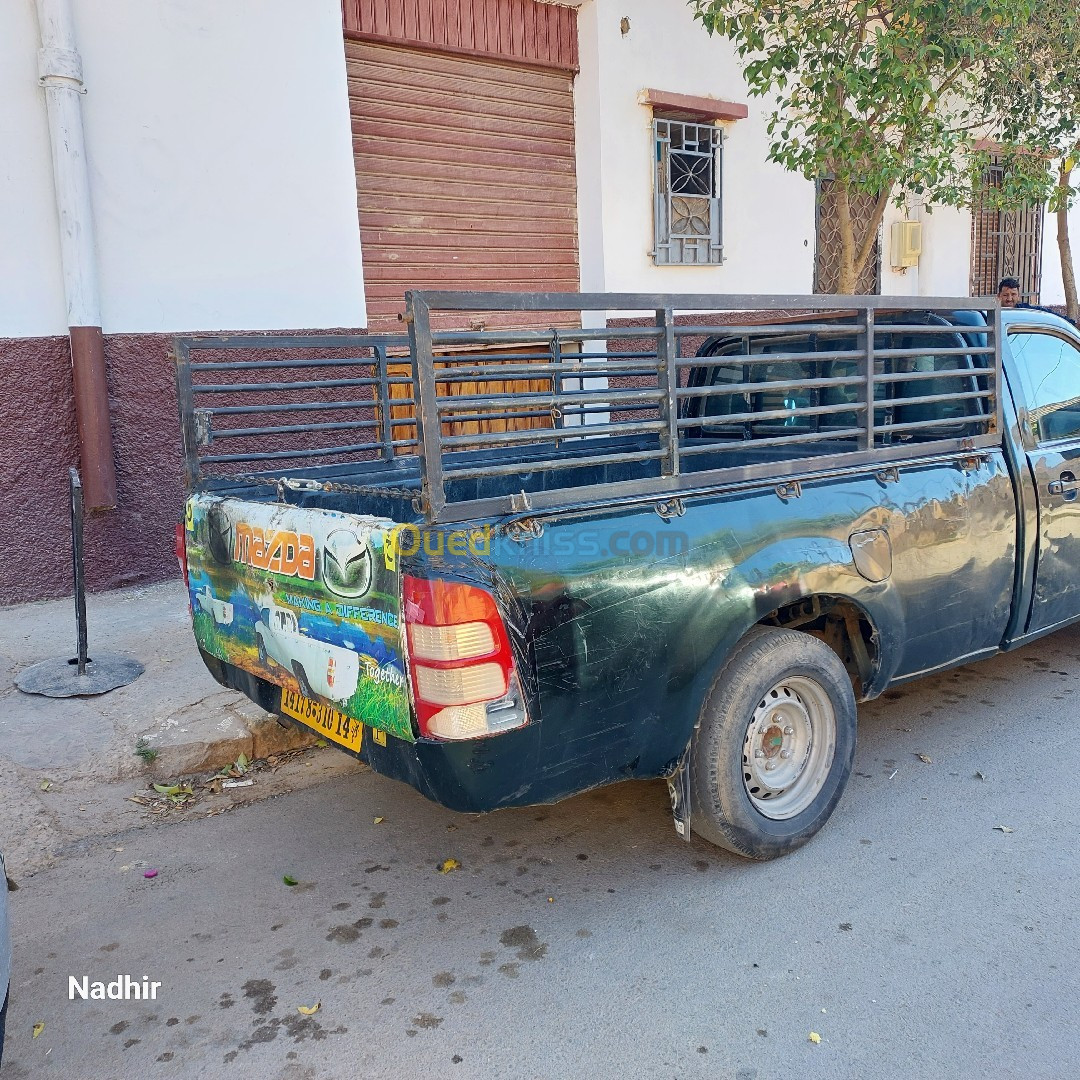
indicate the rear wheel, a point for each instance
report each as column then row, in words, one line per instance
column 774, row 745
column 302, row 679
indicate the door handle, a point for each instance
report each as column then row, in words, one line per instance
column 1066, row 487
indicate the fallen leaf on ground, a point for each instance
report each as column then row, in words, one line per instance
column 379, row 820
column 45, row 785
column 449, row 864
column 290, row 880
column 309, row 1010
column 242, row 762
column 138, row 799
column 925, row 759
column 167, row 789
column 815, row 1037
column 1003, row 828
column 979, row 775
column 39, row 1027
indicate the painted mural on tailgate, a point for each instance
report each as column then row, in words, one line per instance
column 307, row 599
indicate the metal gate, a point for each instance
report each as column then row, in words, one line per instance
column 1004, row 243
column 829, row 252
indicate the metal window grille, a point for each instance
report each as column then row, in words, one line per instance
column 829, row 252
column 1004, row 243
column 687, row 193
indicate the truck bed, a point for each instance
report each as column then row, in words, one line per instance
column 453, row 426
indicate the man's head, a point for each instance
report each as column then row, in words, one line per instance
column 1009, row 292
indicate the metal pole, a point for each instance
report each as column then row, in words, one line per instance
column 870, row 383
column 668, row 378
column 61, row 76
column 386, row 430
column 426, row 408
column 77, row 566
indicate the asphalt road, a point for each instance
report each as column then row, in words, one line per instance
column 586, row 939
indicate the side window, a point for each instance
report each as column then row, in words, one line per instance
column 686, row 203
column 780, row 405
column 1049, row 368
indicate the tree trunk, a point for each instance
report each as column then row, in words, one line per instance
column 855, row 251
column 845, row 284
column 866, row 247
column 1068, row 272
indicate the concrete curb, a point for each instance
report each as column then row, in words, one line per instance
column 258, row 738
column 175, row 711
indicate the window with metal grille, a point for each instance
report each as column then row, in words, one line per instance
column 1004, row 242
column 687, row 193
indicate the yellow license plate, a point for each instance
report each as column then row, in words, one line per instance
column 327, row 721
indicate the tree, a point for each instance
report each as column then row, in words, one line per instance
column 1038, row 102
column 884, row 98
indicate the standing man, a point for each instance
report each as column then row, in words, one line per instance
column 1008, row 292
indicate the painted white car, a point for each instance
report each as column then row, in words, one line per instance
column 221, row 611
column 323, row 670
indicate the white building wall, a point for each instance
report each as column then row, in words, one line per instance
column 589, row 145
column 31, row 283
column 1053, row 287
column 768, row 213
column 220, row 154
column 945, row 265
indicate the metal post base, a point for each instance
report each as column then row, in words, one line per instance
column 60, row 678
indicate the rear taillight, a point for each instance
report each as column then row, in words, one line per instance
column 463, row 679
column 181, row 550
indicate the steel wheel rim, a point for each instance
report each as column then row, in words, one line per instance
column 788, row 748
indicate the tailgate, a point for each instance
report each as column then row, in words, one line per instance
column 307, row 599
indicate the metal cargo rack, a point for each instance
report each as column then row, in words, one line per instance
column 480, row 423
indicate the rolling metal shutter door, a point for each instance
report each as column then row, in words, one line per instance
column 465, row 176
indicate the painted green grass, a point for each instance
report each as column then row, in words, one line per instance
column 378, row 704
column 381, row 705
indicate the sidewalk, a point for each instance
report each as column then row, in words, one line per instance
column 192, row 722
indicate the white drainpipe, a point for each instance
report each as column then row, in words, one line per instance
column 60, row 70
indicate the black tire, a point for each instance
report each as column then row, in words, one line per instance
column 301, row 678
column 721, row 775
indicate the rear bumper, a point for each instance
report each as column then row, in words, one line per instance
column 470, row 777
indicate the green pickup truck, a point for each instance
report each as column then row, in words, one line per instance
column 509, row 565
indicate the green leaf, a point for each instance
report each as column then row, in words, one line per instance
column 290, row 881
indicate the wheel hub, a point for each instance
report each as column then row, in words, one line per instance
column 788, row 748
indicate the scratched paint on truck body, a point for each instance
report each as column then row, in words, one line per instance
column 617, row 646
column 627, row 645
column 301, row 598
